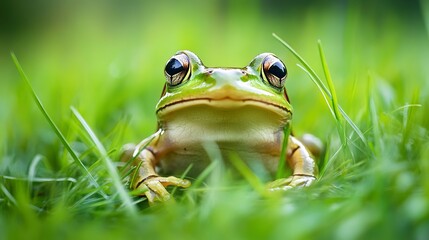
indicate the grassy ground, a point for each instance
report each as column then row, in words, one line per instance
column 97, row 69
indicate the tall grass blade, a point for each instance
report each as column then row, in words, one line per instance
column 334, row 99
column 316, row 79
column 111, row 169
column 55, row 128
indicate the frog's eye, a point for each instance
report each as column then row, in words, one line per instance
column 274, row 71
column 177, row 69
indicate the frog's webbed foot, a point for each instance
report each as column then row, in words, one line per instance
column 145, row 180
column 303, row 166
column 154, row 187
column 283, row 184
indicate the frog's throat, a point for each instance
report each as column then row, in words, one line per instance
column 226, row 102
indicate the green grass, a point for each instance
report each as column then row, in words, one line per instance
column 90, row 85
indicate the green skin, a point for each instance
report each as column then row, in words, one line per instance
column 235, row 109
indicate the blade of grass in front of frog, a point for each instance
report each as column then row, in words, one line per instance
column 204, row 174
column 133, row 177
column 214, row 154
column 56, row 129
column 196, row 184
column 322, row 87
column 110, row 167
column 334, row 99
column 247, row 173
column 281, row 167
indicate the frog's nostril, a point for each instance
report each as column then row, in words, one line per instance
column 210, row 71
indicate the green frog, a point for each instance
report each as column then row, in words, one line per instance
column 245, row 111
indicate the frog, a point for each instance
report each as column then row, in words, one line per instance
column 245, row 111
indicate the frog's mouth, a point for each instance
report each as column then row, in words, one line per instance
column 225, row 103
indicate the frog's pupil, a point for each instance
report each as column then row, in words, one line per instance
column 278, row 70
column 174, row 66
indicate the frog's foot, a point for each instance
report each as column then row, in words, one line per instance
column 154, row 187
column 297, row 180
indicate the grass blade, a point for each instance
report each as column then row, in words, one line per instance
column 282, row 162
column 317, row 79
column 247, row 173
column 374, row 118
column 32, row 170
column 55, row 128
column 8, row 195
column 334, row 99
column 111, row 169
column 40, row 179
column 324, row 90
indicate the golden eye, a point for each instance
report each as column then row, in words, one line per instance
column 177, row 69
column 274, row 71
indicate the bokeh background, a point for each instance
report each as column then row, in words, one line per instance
column 106, row 58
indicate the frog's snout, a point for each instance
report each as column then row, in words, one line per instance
column 226, row 76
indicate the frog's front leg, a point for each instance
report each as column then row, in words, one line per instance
column 146, row 178
column 303, row 165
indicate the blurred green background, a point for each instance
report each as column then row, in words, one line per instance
column 106, row 58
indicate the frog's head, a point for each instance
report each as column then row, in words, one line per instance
column 252, row 90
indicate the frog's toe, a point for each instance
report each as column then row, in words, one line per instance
column 156, row 191
column 174, row 181
column 302, row 181
column 284, row 184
